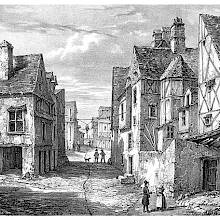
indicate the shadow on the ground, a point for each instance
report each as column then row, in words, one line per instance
column 23, row 201
column 95, row 170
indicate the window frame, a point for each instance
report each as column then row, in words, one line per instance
column 15, row 120
column 129, row 140
column 183, row 118
column 170, row 131
column 135, row 96
column 122, row 111
column 150, row 107
column 134, row 120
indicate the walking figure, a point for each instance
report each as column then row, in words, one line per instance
column 146, row 196
column 96, row 155
column 161, row 200
column 102, row 156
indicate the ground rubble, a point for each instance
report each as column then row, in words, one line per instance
column 206, row 203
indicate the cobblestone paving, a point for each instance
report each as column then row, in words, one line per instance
column 78, row 189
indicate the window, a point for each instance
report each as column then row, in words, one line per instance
column 187, row 100
column 170, row 131
column 54, row 132
column 208, row 119
column 104, row 128
column 16, row 121
column 43, row 131
column 183, row 117
column 135, row 96
column 152, row 111
column 134, row 120
column 122, row 111
column 70, row 112
column 70, row 132
column 129, row 141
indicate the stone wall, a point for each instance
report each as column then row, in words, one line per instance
column 24, row 140
column 189, row 166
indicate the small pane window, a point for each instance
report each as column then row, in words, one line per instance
column 129, row 141
column 170, row 131
column 153, row 111
column 122, row 111
column 183, row 117
column 16, row 121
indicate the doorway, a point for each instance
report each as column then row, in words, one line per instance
column 45, row 161
column 131, row 165
column 39, row 162
column 209, row 175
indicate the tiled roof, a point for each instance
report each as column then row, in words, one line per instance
column 153, row 61
column 178, row 68
column 25, row 76
column 212, row 24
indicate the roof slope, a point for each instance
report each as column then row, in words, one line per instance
column 212, row 24
column 25, row 76
column 153, row 61
column 178, row 68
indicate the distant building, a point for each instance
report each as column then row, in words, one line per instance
column 28, row 119
column 104, row 127
column 74, row 137
column 99, row 133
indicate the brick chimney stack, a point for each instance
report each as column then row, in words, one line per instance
column 6, row 60
column 177, row 40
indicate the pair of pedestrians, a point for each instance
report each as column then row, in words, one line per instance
column 96, row 155
column 161, row 200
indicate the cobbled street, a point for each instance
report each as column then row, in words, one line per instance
column 77, row 189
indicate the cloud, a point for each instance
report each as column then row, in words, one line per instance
column 78, row 43
column 116, row 49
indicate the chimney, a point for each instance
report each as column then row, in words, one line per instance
column 6, row 60
column 177, row 40
column 166, row 34
column 157, row 37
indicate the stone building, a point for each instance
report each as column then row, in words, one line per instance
column 158, row 93
column 74, row 137
column 99, row 132
column 104, row 127
column 28, row 122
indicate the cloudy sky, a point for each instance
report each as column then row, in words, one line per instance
column 81, row 44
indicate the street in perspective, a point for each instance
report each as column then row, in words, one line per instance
column 110, row 110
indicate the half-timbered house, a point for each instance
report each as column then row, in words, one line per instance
column 28, row 131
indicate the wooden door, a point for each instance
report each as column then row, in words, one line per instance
column 209, row 174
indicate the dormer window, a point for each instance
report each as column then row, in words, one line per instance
column 208, row 119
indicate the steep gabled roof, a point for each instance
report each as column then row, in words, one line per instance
column 153, row 61
column 178, row 68
column 212, row 24
column 25, row 75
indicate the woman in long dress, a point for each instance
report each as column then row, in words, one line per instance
column 146, row 196
column 161, row 200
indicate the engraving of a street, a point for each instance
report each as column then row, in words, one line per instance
column 109, row 110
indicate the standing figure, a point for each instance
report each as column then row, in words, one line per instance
column 146, row 196
column 102, row 156
column 96, row 155
column 161, row 200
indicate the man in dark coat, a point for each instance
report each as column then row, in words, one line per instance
column 96, row 155
column 146, row 196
